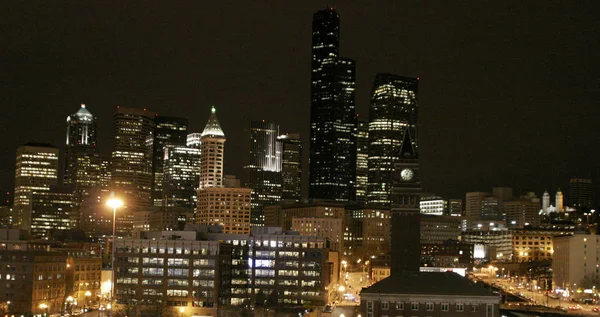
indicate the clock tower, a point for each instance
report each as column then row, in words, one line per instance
column 405, row 213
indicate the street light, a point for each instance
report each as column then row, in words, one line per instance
column 181, row 310
column 114, row 203
column 44, row 307
column 87, row 299
column 70, row 304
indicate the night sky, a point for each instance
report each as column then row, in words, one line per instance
column 509, row 90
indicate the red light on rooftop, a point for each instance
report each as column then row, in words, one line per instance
column 418, row 78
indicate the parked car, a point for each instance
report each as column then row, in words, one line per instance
column 575, row 307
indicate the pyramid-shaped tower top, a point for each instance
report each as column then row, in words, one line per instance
column 83, row 112
column 213, row 128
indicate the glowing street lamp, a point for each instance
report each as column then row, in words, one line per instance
column 114, row 203
column 181, row 310
column 44, row 307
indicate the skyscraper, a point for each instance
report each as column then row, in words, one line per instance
column 36, row 170
column 52, row 210
column 167, row 130
column 181, row 175
column 82, row 161
column 362, row 155
column 291, row 166
column 392, row 122
column 193, row 140
column 219, row 205
column 332, row 120
column 580, row 192
column 131, row 169
column 263, row 171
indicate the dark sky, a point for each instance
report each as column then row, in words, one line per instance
column 509, row 90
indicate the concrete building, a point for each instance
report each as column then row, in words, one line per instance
column 574, row 264
column 455, row 207
column 581, row 192
column 180, row 176
column 291, row 166
column 450, row 254
column 522, row 213
column 428, row 294
column 52, row 210
column 492, row 245
column 36, row 170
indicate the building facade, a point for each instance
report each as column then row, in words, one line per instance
column 82, row 161
column 439, row 229
column 291, row 167
column 392, row 121
column 362, row 161
column 167, row 131
column 263, row 171
column 53, row 210
column 131, row 164
column 428, row 294
column 581, row 192
column 330, row 228
column 535, row 244
column 522, row 213
column 332, row 114
column 181, row 176
column 36, row 170
column 433, row 205
column 226, row 207
column 574, row 262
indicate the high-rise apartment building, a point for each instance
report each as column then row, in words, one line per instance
column 181, row 175
column 362, row 161
column 131, row 169
column 263, row 171
column 36, row 170
column 82, row 161
column 291, row 166
column 218, row 205
column 332, row 114
column 580, row 192
column 392, row 121
column 167, row 131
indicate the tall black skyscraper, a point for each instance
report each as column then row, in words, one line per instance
column 580, row 192
column 332, row 120
column 291, row 166
column 82, row 161
column 392, row 122
column 167, row 131
column 263, row 172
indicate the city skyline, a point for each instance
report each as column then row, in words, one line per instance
column 490, row 112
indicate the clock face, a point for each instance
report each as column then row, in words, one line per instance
column 406, row 174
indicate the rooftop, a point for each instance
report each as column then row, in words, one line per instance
column 428, row 283
column 213, row 128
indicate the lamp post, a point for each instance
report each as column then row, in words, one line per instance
column 114, row 203
column 181, row 310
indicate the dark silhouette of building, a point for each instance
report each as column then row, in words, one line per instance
column 332, row 115
column 392, row 121
column 291, row 166
column 263, row 171
column 362, row 168
column 181, row 175
column 580, row 192
column 167, row 131
column 405, row 194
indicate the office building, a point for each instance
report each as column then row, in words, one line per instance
column 193, row 140
column 449, row 254
column 131, row 164
column 428, row 294
column 281, row 215
column 455, row 207
column 217, row 205
column 263, row 171
column 330, row 228
column 474, row 204
column 225, row 207
column 167, row 131
column 181, row 175
column 521, row 213
column 392, row 121
column 36, row 170
column 438, row 229
column 574, row 263
column 83, row 275
column 581, row 192
column 433, row 205
column 53, row 210
column 291, row 167
column 535, row 244
column 559, row 201
column 362, row 161
column 82, row 161
column 491, row 245
column 332, row 114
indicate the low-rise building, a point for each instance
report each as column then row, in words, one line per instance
column 492, row 245
column 450, row 254
column 535, row 244
column 437, row 229
column 428, row 294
